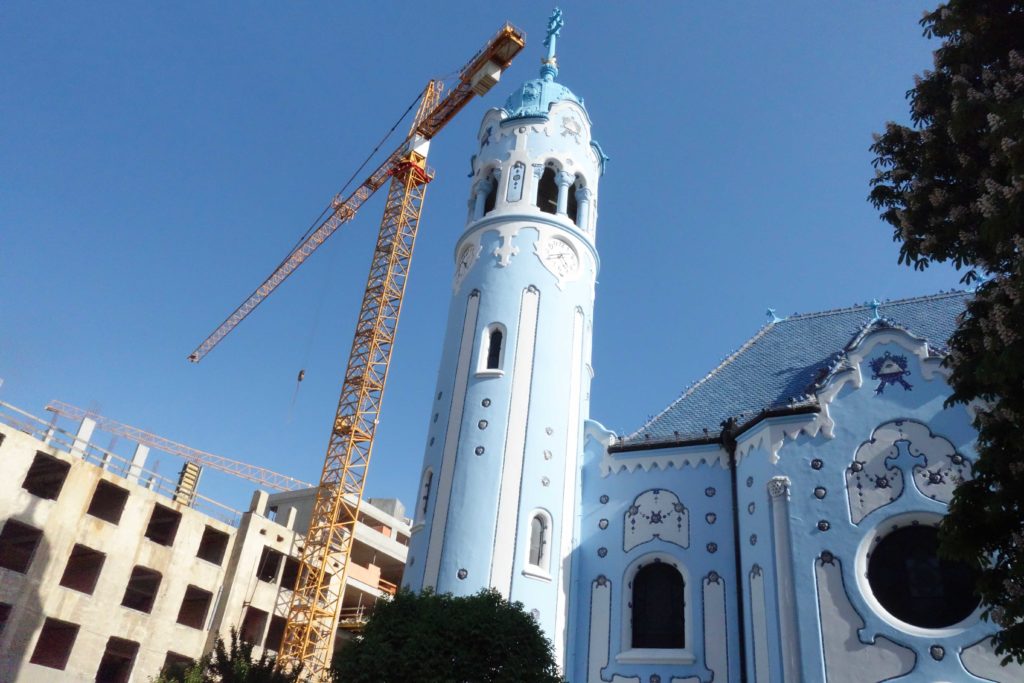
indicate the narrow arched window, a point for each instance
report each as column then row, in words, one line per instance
column 492, row 194
column 539, row 541
column 659, row 607
column 494, row 350
column 547, row 192
column 428, row 479
column 572, row 205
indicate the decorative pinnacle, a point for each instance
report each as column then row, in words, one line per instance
column 549, row 68
column 875, row 305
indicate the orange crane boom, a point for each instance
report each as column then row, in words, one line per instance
column 317, row 599
column 259, row 475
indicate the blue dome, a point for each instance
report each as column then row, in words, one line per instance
column 535, row 97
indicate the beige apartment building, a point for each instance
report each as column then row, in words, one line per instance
column 108, row 571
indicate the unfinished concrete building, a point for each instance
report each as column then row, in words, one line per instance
column 108, row 572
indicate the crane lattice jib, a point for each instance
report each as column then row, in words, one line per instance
column 316, row 601
column 474, row 78
column 260, row 475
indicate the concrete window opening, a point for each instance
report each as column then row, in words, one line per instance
column 5, row 614
column 108, row 502
column 540, row 540
column 917, row 586
column 275, row 633
column 56, row 640
column 83, row 569
column 118, row 660
column 212, row 545
column 194, row 607
column 547, row 192
column 658, row 607
column 18, row 543
column 270, row 562
column 163, row 525
column 291, row 573
column 253, row 625
column 46, row 476
column 175, row 666
column 140, row 594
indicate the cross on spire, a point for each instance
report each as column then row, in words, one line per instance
column 549, row 68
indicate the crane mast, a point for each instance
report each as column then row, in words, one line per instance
column 317, row 598
column 316, row 601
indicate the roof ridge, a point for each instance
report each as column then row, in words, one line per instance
column 693, row 387
column 867, row 306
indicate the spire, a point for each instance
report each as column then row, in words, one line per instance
column 549, row 68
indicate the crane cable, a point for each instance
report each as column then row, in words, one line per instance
column 330, row 207
column 319, row 221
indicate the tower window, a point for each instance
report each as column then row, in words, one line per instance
column 539, row 551
column 538, row 540
column 547, row 192
column 572, row 205
column 658, row 607
column 492, row 194
column 428, row 479
column 492, row 351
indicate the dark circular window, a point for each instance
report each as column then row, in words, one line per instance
column 915, row 585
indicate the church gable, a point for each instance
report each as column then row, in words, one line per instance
column 781, row 367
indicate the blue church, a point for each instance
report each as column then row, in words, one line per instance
column 776, row 523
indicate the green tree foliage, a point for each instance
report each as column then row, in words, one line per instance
column 952, row 187
column 431, row 638
column 231, row 663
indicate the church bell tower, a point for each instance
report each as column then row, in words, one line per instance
column 498, row 496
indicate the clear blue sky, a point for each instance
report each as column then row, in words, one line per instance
column 158, row 159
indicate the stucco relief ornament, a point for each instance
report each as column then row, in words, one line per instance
column 571, row 128
column 890, row 369
column 656, row 514
column 507, row 250
column 530, row 94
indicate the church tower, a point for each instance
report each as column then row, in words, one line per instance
column 498, row 497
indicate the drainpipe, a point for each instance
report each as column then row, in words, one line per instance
column 730, row 430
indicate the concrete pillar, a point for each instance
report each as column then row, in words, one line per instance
column 288, row 521
column 138, row 462
column 259, row 502
column 85, row 431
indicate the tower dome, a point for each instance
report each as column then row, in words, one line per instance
column 535, row 97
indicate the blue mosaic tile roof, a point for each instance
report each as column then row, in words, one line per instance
column 779, row 365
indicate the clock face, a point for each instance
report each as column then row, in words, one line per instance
column 561, row 258
column 466, row 258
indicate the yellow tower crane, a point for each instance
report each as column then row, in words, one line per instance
column 313, row 613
